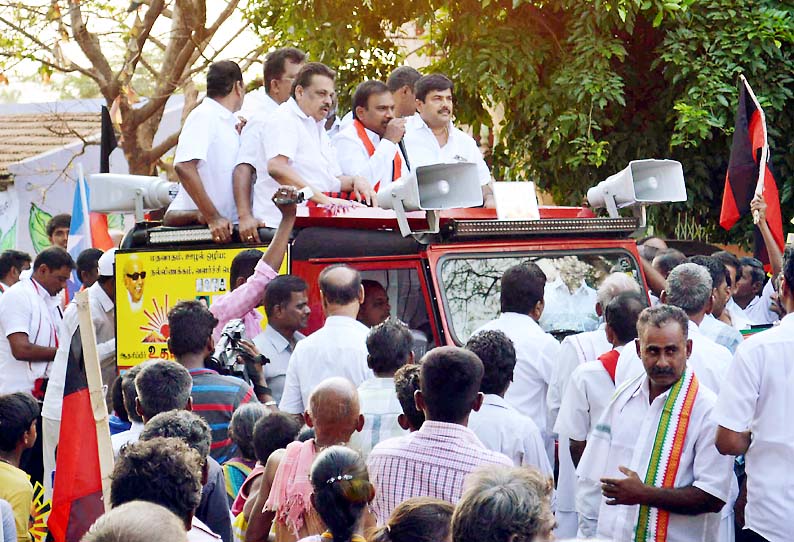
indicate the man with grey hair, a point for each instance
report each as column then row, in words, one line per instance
column 575, row 350
column 653, row 449
column 688, row 288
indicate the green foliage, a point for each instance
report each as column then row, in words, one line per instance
column 8, row 239
column 37, row 226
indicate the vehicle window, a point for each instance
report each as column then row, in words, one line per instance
column 470, row 288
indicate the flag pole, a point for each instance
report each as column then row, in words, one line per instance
column 759, row 187
column 96, row 393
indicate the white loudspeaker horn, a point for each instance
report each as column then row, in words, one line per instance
column 432, row 188
column 642, row 182
column 114, row 192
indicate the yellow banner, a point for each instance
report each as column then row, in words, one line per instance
column 150, row 283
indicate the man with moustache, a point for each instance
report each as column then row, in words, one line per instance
column 653, row 449
column 369, row 146
column 430, row 137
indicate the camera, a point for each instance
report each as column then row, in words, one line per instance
column 302, row 195
column 230, row 358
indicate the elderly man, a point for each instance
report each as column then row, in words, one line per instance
column 497, row 424
column 504, row 505
column 206, row 153
column 653, row 449
column 137, row 521
column 369, row 146
column 753, row 411
column 337, row 349
column 297, row 150
column 430, row 137
column 521, row 297
column 435, row 460
column 285, row 495
column 688, row 288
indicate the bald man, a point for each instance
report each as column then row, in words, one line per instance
column 285, row 494
column 339, row 348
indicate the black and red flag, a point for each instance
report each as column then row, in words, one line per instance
column 77, row 490
column 749, row 173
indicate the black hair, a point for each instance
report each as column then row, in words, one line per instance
column 129, row 392
column 17, row 412
column 87, row 261
column 63, row 220
column 430, row 83
column 117, row 399
column 498, row 356
column 418, row 519
column 668, row 259
column 714, row 266
column 404, row 76
column 342, row 490
column 191, row 325
column 308, row 71
column 788, row 266
column 243, row 265
column 272, row 432
column 449, row 378
column 275, row 63
column 729, row 260
column 279, row 291
column 165, row 471
column 163, row 386
column 221, row 77
column 12, row 259
column 241, row 427
column 622, row 312
column 757, row 273
column 389, row 345
column 522, row 286
column 340, row 294
column 364, row 91
column 184, row 425
column 54, row 258
column 406, row 382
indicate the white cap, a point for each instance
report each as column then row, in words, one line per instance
column 106, row 263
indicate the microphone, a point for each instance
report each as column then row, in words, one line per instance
column 401, row 144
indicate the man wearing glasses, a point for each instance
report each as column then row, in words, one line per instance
column 134, row 278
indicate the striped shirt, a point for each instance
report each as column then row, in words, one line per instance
column 381, row 408
column 215, row 398
column 432, row 462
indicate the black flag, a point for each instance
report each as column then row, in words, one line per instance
column 107, row 142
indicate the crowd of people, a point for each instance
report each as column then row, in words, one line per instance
column 665, row 423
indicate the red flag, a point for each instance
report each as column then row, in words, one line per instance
column 749, row 171
column 77, row 489
column 100, row 237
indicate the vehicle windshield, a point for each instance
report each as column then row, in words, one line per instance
column 470, row 287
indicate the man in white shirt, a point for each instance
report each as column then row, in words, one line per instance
column 337, row 349
column 101, row 300
column 12, row 263
column 298, row 151
column 754, row 410
column 521, row 297
column 716, row 330
column 653, row 449
column 281, row 67
column 430, row 137
column 497, row 424
column 592, row 385
column 206, row 153
column 130, row 395
column 401, row 84
column 389, row 345
column 688, row 288
column 754, row 292
column 287, row 309
column 30, row 319
column 368, row 147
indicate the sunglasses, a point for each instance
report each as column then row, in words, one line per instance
column 136, row 276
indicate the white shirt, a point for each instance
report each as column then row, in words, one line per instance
column 501, row 428
column 337, row 349
column 278, row 350
column 103, row 317
column 756, row 396
column 739, row 320
column 292, row 133
column 381, row 408
column 758, row 311
column 569, row 310
column 536, row 353
column 355, row 160
column 721, row 333
column 574, row 350
column 633, row 430
column 709, row 360
column 256, row 101
column 27, row 308
column 423, row 149
column 119, row 440
column 209, row 136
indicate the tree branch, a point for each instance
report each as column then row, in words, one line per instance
column 89, row 44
